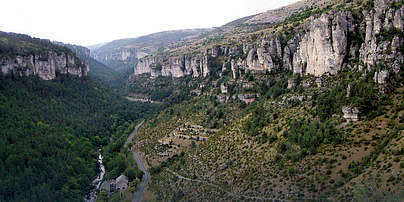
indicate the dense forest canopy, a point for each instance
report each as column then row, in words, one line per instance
column 50, row 132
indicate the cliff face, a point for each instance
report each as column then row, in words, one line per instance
column 44, row 67
column 382, row 41
column 173, row 66
column 22, row 55
column 125, row 55
column 325, row 46
column 126, row 52
column 323, row 49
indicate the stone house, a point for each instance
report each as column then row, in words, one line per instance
column 121, row 183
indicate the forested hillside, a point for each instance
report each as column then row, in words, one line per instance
column 50, row 132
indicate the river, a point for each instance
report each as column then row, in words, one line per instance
column 92, row 196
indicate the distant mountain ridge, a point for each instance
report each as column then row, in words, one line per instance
column 120, row 53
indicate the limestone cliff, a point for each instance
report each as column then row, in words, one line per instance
column 44, row 67
column 125, row 55
column 324, row 45
column 323, row 49
column 120, row 53
column 383, row 40
column 23, row 55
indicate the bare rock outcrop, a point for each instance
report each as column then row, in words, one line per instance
column 351, row 114
column 259, row 60
column 381, row 77
column 329, row 39
column 323, row 49
column 377, row 46
column 45, row 66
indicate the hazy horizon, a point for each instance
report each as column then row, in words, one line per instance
column 93, row 22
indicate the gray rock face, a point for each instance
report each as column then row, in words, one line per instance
column 375, row 49
column 119, row 54
column 291, row 83
column 259, row 60
column 398, row 21
column 173, row 66
column 222, row 98
column 247, row 98
column 144, row 65
column 44, row 67
column 289, row 50
column 351, row 113
column 381, row 77
column 223, row 88
column 323, row 49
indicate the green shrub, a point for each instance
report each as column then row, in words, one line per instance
column 257, row 120
column 310, row 135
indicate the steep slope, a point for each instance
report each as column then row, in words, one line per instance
column 310, row 108
column 51, row 130
column 101, row 73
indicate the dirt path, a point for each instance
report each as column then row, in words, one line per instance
column 146, row 175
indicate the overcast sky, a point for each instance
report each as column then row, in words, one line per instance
column 88, row 22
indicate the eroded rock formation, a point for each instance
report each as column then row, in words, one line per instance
column 325, row 47
column 43, row 66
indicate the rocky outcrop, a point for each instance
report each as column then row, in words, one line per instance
column 258, row 60
column 351, row 114
column 223, row 88
column 247, row 98
column 262, row 59
column 378, row 46
column 128, row 51
column 330, row 40
column 81, row 52
column 45, row 66
column 381, row 77
column 291, row 83
column 173, row 66
column 122, row 54
column 323, row 49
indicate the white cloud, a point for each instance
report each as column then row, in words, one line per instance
column 87, row 22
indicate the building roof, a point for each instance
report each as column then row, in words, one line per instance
column 121, row 180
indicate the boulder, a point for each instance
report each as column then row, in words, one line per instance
column 223, row 166
column 351, row 114
column 291, row 83
column 381, row 77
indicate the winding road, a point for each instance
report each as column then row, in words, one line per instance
column 146, row 175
